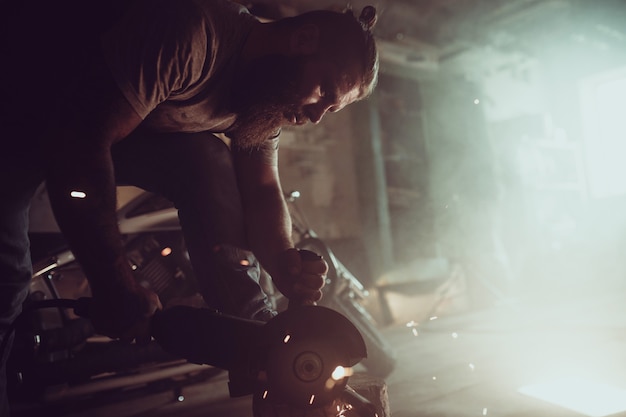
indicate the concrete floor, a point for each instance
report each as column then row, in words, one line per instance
column 476, row 364
column 461, row 363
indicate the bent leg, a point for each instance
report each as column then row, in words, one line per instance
column 195, row 172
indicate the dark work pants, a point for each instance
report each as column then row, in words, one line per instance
column 195, row 172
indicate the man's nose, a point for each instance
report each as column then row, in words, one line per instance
column 317, row 112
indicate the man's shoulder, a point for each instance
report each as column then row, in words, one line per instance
column 215, row 11
column 221, row 8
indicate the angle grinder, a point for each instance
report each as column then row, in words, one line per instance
column 302, row 357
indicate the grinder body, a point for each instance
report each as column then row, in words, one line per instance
column 293, row 358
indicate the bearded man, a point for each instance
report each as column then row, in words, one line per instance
column 96, row 95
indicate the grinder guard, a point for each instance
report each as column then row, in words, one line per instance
column 304, row 346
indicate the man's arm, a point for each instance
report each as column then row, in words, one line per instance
column 268, row 226
column 268, row 223
column 81, row 185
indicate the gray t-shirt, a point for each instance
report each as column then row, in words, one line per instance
column 173, row 60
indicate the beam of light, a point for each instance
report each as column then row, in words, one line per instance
column 589, row 398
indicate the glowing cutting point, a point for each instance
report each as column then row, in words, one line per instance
column 312, row 399
column 287, row 338
column 166, row 251
column 78, row 194
column 265, row 394
column 340, row 372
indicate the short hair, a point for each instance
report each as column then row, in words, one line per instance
column 345, row 36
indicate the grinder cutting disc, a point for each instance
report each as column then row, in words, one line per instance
column 309, row 348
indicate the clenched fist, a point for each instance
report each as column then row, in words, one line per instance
column 124, row 313
column 302, row 276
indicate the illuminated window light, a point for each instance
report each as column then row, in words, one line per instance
column 602, row 99
column 589, row 398
column 78, row 194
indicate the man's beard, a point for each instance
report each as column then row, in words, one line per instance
column 264, row 91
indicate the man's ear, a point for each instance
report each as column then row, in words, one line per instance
column 305, row 40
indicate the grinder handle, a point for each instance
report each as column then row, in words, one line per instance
column 191, row 333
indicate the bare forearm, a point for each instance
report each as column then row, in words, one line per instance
column 298, row 279
column 268, row 223
column 81, row 186
column 269, row 227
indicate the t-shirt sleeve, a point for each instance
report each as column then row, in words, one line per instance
column 158, row 49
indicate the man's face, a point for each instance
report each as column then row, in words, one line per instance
column 276, row 91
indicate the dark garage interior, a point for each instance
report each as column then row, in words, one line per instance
column 478, row 195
